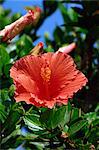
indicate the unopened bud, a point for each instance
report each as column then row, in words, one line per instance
column 16, row 27
column 38, row 49
column 67, row 49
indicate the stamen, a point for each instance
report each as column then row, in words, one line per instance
column 46, row 73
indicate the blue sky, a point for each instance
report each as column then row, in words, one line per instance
column 49, row 24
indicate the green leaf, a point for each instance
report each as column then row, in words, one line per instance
column 93, row 136
column 4, row 95
column 96, row 122
column 4, row 58
column 13, row 54
column 72, row 15
column 13, row 134
column 24, row 45
column 5, row 99
column 58, row 34
column 7, row 12
column 32, row 121
column 60, row 116
column 77, row 126
column 11, row 90
column 65, row 129
column 2, row 113
column 75, row 114
column 49, row 7
column 67, row 113
column 64, row 12
column 7, row 70
column 15, row 16
column 53, row 118
column 14, row 117
column 46, row 118
column 49, row 49
column 91, row 116
column 85, row 146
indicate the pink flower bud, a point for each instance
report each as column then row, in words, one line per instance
column 67, row 49
column 10, row 31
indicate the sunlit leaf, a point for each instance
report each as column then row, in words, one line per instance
column 32, row 121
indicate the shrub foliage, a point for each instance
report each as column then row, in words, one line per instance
column 73, row 126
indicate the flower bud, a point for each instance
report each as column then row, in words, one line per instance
column 38, row 49
column 67, row 49
column 10, row 31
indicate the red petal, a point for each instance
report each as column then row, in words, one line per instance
column 28, row 84
column 76, row 84
column 23, row 97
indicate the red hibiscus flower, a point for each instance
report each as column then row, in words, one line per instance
column 47, row 79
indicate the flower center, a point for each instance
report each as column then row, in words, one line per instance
column 46, row 73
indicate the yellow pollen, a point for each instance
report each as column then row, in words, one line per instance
column 46, row 73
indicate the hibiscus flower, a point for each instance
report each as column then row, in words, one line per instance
column 47, row 79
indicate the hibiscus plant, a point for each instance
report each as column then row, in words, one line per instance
column 49, row 92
